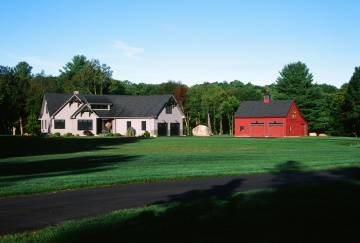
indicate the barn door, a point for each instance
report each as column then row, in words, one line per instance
column 276, row 129
column 257, row 129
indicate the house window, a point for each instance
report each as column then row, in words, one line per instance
column 128, row 124
column 293, row 115
column 99, row 107
column 168, row 109
column 45, row 124
column 143, row 125
column 85, row 125
column 59, row 124
column 42, row 124
column 242, row 128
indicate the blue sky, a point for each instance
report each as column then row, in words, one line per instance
column 188, row 41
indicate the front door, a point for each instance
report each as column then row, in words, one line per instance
column 99, row 126
column 162, row 129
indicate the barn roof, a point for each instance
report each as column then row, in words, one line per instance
column 276, row 108
column 121, row 105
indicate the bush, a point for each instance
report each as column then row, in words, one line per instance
column 146, row 134
column 57, row 134
column 88, row 133
column 117, row 134
column 67, row 135
column 130, row 132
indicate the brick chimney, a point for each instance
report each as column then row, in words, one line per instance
column 267, row 99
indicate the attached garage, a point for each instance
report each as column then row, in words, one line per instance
column 162, row 129
column 174, row 129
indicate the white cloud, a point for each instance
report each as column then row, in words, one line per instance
column 128, row 51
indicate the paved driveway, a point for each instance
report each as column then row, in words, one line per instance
column 37, row 211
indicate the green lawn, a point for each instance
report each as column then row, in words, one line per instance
column 35, row 164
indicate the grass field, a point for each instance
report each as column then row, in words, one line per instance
column 35, row 164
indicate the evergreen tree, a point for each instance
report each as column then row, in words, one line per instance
column 351, row 106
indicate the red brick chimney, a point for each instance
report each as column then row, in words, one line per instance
column 267, row 99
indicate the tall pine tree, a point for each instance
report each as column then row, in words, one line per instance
column 351, row 106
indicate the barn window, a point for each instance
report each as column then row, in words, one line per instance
column 242, row 128
column 257, row 124
column 168, row 109
column 293, row 115
column 128, row 124
column 143, row 125
column 276, row 123
column 85, row 125
column 59, row 124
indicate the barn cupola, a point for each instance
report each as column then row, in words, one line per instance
column 267, row 98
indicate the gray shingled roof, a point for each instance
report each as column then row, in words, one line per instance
column 276, row 108
column 121, row 105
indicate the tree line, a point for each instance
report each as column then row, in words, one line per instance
column 328, row 109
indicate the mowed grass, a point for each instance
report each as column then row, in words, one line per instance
column 35, row 164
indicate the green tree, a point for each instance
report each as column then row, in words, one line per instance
column 9, row 94
column 33, row 124
column 86, row 76
column 116, row 87
column 351, row 106
column 294, row 81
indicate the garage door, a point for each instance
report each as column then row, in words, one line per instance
column 276, row 129
column 174, row 129
column 257, row 130
column 162, row 129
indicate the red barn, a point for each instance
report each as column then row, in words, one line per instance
column 269, row 118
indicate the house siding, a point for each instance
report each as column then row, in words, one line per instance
column 45, row 119
column 121, row 125
column 72, row 123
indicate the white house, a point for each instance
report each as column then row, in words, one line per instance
column 160, row 115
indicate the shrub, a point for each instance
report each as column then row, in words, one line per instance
column 57, row 134
column 146, row 134
column 130, row 132
column 67, row 135
column 117, row 134
column 88, row 133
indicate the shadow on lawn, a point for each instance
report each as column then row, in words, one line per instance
column 319, row 209
column 16, row 146
column 11, row 172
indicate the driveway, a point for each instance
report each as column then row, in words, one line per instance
column 32, row 212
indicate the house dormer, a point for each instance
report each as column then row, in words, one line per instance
column 100, row 106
